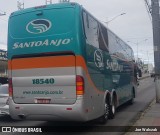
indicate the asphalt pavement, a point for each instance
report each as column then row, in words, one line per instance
column 149, row 121
column 144, row 99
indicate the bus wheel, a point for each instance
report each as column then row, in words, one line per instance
column 112, row 109
column 131, row 101
column 103, row 119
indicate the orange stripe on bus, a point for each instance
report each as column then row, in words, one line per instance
column 9, row 65
column 42, row 62
column 80, row 62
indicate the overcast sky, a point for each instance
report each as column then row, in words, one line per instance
column 134, row 27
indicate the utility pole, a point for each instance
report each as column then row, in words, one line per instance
column 148, row 7
column 156, row 42
column 20, row 5
column 48, row 2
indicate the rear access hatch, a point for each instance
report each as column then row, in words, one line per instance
column 47, row 79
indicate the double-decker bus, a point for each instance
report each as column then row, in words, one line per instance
column 66, row 65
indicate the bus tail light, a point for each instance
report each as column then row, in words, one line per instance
column 10, row 87
column 79, row 85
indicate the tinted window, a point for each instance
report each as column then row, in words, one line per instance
column 3, row 89
column 91, row 30
column 55, row 21
column 119, row 48
column 3, row 80
column 103, row 38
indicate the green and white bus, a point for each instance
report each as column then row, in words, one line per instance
column 65, row 65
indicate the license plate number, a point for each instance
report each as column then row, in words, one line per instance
column 42, row 101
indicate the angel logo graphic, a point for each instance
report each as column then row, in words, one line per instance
column 38, row 26
column 98, row 59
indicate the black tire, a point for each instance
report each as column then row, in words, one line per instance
column 112, row 109
column 139, row 73
column 131, row 101
column 103, row 119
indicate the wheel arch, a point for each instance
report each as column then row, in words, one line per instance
column 107, row 97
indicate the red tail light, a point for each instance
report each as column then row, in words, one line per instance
column 10, row 87
column 79, row 85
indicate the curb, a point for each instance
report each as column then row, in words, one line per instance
column 138, row 116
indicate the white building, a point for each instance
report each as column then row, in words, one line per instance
column 148, row 67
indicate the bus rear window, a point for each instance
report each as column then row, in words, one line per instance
column 41, row 23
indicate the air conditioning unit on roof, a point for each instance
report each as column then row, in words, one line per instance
column 61, row 1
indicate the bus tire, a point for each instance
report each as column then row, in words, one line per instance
column 103, row 119
column 112, row 109
column 131, row 101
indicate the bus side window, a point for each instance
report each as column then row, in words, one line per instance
column 87, row 21
column 103, row 38
column 90, row 29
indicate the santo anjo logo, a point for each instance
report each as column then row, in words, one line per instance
column 98, row 58
column 38, row 26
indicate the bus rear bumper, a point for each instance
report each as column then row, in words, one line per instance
column 49, row 112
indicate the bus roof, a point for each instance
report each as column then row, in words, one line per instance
column 41, row 7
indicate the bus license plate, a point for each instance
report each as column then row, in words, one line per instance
column 42, row 101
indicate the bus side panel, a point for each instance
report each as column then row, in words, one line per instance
column 124, row 82
column 122, row 67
